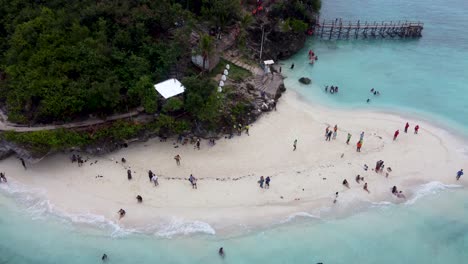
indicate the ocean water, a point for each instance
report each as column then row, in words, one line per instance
column 432, row 228
column 426, row 77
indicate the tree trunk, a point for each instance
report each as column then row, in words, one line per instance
column 204, row 63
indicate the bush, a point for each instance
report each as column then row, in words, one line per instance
column 298, row 26
column 172, row 105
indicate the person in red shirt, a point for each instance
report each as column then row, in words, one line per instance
column 396, row 134
column 406, row 127
column 359, row 146
column 416, row 128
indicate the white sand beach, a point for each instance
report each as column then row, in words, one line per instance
column 228, row 194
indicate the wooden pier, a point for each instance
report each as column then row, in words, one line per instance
column 339, row 29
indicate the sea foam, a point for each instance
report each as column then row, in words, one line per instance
column 428, row 189
column 299, row 215
column 39, row 207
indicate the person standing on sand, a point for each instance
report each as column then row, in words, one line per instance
column 129, row 174
column 359, row 145
column 193, row 181
column 139, row 199
column 261, row 181
column 121, row 213
column 396, row 135
column 177, row 159
column 150, row 175
column 198, row 144
column 416, row 128
column 349, row 138
column 365, row 187
column 247, row 130
column 345, row 183
column 326, row 132
column 267, row 182
column 336, row 198
column 295, row 144
column 23, row 163
column 361, row 137
column 406, row 127
column 329, row 135
column 154, row 179
column 459, row 174
column 334, row 135
column 3, row 177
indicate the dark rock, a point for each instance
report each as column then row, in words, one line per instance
column 305, row 80
column 278, row 44
column 250, row 86
column 8, row 148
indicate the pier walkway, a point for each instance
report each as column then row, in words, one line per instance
column 339, row 29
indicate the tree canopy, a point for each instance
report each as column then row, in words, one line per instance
column 64, row 59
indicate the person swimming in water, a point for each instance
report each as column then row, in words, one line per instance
column 221, row 252
column 104, row 257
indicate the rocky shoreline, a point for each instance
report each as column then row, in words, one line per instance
column 261, row 102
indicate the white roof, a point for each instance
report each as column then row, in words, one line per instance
column 169, row 88
column 267, row 62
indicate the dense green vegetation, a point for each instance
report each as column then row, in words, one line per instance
column 296, row 11
column 63, row 60
column 41, row 142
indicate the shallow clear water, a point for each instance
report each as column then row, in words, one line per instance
column 426, row 76
column 432, row 230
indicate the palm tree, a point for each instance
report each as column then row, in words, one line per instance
column 206, row 48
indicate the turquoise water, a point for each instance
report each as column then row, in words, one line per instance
column 432, row 230
column 426, row 77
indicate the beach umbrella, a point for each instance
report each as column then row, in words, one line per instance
column 221, row 83
column 226, row 72
column 223, row 78
column 220, row 89
column 227, row 66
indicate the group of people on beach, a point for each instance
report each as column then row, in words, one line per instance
column 397, row 132
column 78, row 159
column 329, row 134
column 239, row 128
column 332, row 89
column 264, row 180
